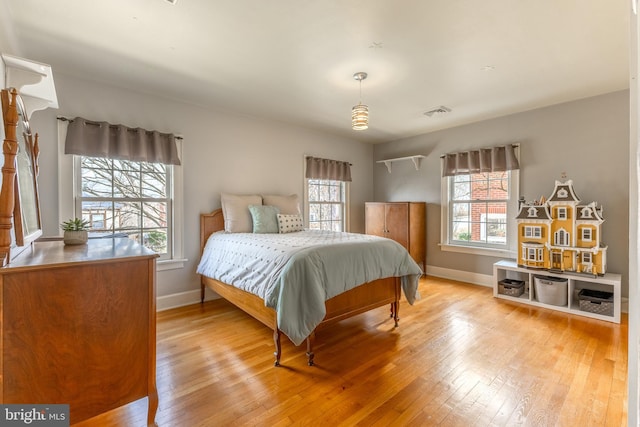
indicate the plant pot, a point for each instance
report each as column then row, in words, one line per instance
column 76, row 237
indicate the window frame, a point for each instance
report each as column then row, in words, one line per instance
column 345, row 203
column 533, row 231
column 507, row 250
column 169, row 172
column 562, row 213
column 67, row 171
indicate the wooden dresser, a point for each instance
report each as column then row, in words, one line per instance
column 78, row 327
column 404, row 222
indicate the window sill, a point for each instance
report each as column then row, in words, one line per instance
column 498, row 253
column 170, row 264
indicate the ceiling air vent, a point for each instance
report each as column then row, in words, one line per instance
column 438, row 111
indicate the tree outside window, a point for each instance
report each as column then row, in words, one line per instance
column 129, row 199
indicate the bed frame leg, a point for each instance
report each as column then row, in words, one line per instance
column 395, row 308
column 278, row 352
column 201, row 291
column 310, row 339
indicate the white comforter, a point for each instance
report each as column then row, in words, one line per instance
column 296, row 273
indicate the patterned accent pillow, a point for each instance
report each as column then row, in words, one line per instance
column 289, row 223
column 265, row 218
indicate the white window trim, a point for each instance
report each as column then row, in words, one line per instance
column 305, row 195
column 587, row 231
column 533, row 231
column 67, row 193
column 512, row 209
column 562, row 213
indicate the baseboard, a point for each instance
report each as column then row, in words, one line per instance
column 462, row 276
column 167, row 302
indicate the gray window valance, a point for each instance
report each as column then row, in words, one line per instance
column 328, row 169
column 496, row 159
column 101, row 139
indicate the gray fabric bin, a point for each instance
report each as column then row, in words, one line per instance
column 551, row 290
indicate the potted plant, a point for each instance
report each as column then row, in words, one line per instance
column 75, row 231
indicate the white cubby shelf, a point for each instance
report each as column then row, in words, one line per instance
column 609, row 282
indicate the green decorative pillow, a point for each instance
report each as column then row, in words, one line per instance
column 290, row 223
column 265, row 218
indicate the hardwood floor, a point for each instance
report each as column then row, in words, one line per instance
column 459, row 358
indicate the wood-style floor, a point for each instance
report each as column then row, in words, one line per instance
column 459, row 358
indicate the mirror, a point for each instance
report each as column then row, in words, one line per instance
column 26, row 213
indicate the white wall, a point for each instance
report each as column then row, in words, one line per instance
column 587, row 139
column 221, row 152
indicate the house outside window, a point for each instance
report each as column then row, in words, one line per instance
column 126, row 198
column 586, row 257
column 586, row 234
column 326, row 204
column 478, row 212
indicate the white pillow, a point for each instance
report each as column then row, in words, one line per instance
column 289, row 223
column 235, row 208
column 288, row 205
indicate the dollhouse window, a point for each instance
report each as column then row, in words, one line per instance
column 586, row 213
column 561, row 238
column 533, row 212
column 533, row 254
column 562, row 213
column 562, row 193
column 533, row 232
column 587, row 234
column 586, row 257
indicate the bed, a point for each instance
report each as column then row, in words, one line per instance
column 364, row 297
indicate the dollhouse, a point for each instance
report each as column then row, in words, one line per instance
column 560, row 234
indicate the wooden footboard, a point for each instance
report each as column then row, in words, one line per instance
column 348, row 304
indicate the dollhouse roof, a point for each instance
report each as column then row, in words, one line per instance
column 534, row 212
column 590, row 212
column 563, row 192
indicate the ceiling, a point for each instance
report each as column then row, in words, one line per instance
column 294, row 60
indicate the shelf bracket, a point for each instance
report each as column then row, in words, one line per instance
column 388, row 163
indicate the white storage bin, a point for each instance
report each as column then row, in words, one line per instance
column 551, row 290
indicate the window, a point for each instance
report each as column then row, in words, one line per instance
column 586, row 257
column 92, row 201
column 562, row 213
column 561, row 238
column 586, row 234
column 532, row 254
column 533, row 232
column 326, row 204
column 476, row 211
column 127, row 198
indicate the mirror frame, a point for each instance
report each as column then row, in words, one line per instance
column 26, row 212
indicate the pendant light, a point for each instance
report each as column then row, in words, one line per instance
column 360, row 112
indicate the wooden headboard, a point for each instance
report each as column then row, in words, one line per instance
column 209, row 224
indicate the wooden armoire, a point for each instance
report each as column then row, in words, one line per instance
column 404, row 222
